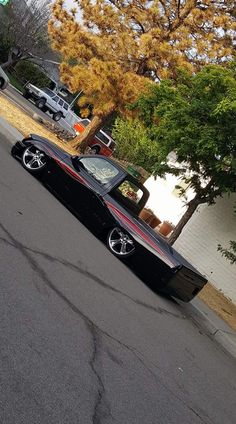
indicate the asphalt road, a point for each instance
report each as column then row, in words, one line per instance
column 84, row 341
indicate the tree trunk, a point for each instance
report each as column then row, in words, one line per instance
column 12, row 60
column 192, row 206
column 82, row 141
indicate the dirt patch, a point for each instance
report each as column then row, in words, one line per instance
column 26, row 125
column 220, row 304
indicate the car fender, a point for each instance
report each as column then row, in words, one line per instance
column 38, row 142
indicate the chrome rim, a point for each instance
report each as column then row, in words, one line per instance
column 33, row 159
column 120, row 242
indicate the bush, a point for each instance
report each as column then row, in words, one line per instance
column 25, row 71
column 133, row 143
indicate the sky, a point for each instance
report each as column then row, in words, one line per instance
column 69, row 3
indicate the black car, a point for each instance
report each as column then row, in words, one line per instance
column 97, row 187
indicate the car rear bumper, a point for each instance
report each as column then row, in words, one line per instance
column 185, row 284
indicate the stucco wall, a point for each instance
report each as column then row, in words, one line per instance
column 198, row 242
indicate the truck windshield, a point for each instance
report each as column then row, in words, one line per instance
column 48, row 92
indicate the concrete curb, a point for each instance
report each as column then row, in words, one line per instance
column 18, row 91
column 215, row 327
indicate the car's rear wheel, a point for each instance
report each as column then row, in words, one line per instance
column 57, row 116
column 33, row 160
column 95, row 150
column 120, row 243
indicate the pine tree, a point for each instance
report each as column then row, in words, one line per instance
column 120, row 44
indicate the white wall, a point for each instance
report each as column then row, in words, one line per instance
column 198, row 242
column 164, row 199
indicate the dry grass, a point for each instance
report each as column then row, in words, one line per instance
column 26, row 125
column 220, row 304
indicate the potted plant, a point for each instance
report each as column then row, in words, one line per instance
column 146, row 214
column 165, row 228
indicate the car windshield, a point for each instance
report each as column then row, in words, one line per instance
column 100, row 169
column 48, row 92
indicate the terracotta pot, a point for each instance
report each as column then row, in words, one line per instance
column 146, row 215
column 155, row 221
column 165, row 228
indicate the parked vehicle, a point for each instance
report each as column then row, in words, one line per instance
column 97, row 188
column 47, row 100
column 102, row 144
column 4, row 80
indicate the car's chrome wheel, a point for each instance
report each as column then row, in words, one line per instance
column 120, row 243
column 33, row 159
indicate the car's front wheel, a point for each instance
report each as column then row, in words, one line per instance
column 26, row 95
column 33, row 160
column 120, row 243
column 41, row 103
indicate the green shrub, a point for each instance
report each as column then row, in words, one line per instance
column 25, row 71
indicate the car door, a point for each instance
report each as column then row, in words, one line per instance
column 53, row 103
column 87, row 188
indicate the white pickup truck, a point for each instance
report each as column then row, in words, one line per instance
column 47, row 100
column 4, row 80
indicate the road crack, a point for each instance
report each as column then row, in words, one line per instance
column 101, row 406
column 88, row 274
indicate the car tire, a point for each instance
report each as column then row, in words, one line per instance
column 120, row 243
column 33, row 160
column 26, row 95
column 1, row 83
column 57, row 116
column 40, row 103
column 95, row 150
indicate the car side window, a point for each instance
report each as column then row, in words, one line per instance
column 100, row 169
column 130, row 191
column 61, row 102
column 66, row 106
column 100, row 136
column 129, row 194
column 56, row 98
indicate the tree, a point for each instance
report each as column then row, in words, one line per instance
column 119, row 43
column 195, row 118
column 24, row 30
column 230, row 252
column 134, row 144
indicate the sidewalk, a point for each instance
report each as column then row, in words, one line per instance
column 197, row 310
column 214, row 326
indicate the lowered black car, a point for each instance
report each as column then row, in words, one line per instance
column 97, row 187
